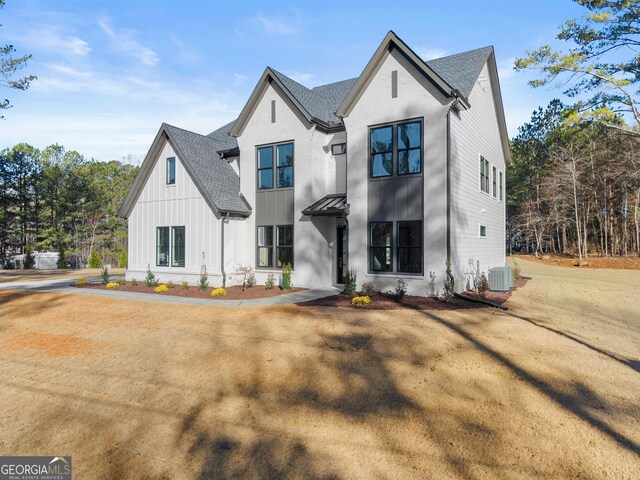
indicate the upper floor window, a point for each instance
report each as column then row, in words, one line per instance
column 171, row 171
column 484, row 175
column 279, row 175
column 395, row 148
column 501, row 188
column 495, row 181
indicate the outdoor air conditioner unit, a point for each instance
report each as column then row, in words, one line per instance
column 500, row 279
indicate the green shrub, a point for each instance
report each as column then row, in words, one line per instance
column 62, row 259
column 185, row 285
column 161, row 289
column 134, row 282
column 203, row 282
column 150, row 280
column 29, row 259
column 369, row 289
column 351, row 281
column 218, row 292
column 105, row 275
column 123, row 260
column 120, row 281
column 271, row 281
column 94, row 260
column 361, row 301
column 286, row 277
column 170, row 284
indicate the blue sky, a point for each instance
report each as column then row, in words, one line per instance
column 110, row 72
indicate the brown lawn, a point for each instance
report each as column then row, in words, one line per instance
column 625, row 263
column 134, row 389
column 35, row 275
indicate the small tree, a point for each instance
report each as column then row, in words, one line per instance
column 203, row 282
column 29, row 259
column 351, row 281
column 105, row 275
column 150, row 280
column 286, row 277
column 271, row 282
column 62, row 258
column 123, row 260
column 248, row 277
column 94, row 260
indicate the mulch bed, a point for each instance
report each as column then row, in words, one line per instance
column 383, row 301
column 617, row 263
column 233, row 293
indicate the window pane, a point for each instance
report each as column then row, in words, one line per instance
column 162, row 246
column 177, row 247
column 171, row 170
column 409, row 234
column 410, row 247
column 285, row 235
column 285, row 177
column 265, row 157
column 409, row 161
column 284, row 255
column 381, row 140
column 483, row 231
column 380, row 259
column 265, row 256
column 285, row 154
column 382, row 165
column 409, row 135
column 381, row 234
column 265, row 178
column 265, row 236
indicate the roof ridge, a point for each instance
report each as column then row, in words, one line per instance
column 188, row 131
column 459, row 53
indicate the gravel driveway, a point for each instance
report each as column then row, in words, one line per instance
column 134, row 389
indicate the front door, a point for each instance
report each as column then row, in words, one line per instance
column 342, row 251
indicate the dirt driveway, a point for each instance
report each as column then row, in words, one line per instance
column 133, row 389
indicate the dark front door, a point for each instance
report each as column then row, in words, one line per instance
column 342, row 250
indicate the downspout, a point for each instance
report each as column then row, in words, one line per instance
column 223, row 220
column 448, row 172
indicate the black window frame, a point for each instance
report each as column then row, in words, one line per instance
column 171, row 168
column 395, row 148
column 283, row 246
column 389, row 247
column 275, row 168
column 168, row 246
column 270, row 247
column 501, row 186
column 483, row 228
column 419, row 248
column 484, row 175
column 494, row 172
column 173, row 246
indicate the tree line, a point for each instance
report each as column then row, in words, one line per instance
column 57, row 200
column 573, row 187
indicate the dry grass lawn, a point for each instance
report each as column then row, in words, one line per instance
column 35, row 275
column 131, row 389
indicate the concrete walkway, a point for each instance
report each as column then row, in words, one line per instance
column 64, row 286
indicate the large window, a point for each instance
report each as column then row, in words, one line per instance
column 177, row 246
column 484, row 175
column 381, row 247
column 410, row 247
column 162, row 246
column 171, row 171
column 284, row 250
column 395, row 148
column 280, row 175
column 265, row 246
column 170, row 246
column 278, row 254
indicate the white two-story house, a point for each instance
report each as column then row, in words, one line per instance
column 388, row 174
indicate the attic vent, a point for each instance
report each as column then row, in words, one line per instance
column 273, row 111
column 483, row 82
column 394, row 83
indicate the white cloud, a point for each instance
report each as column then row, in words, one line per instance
column 125, row 42
column 51, row 38
column 276, row 26
column 300, row 77
column 429, row 53
column 239, row 79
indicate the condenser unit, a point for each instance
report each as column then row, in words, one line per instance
column 500, row 279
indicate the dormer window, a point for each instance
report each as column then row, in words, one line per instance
column 171, row 171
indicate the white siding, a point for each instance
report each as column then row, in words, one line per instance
column 180, row 204
column 474, row 133
column 416, row 99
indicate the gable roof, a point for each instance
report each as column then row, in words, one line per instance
column 462, row 69
column 223, row 140
column 215, row 179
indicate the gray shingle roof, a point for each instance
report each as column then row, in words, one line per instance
column 462, row 69
column 223, row 140
column 217, row 179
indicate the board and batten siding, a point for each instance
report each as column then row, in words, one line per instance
column 176, row 205
column 475, row 133
column 415, row 98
